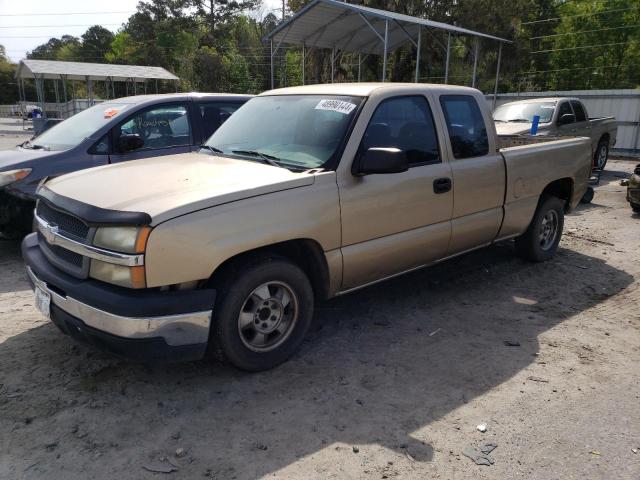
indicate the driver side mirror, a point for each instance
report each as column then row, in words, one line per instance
column 566, row 119
column 379, row 160
column 130, row 141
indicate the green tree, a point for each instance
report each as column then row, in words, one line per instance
column 96, row 43
column 8, row 84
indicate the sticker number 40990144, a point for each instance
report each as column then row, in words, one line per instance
column 336, row 106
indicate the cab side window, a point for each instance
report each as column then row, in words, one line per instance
column 579, row 111
column 214, row 114
column 467, row 130
column 160, row 127
column 405, row 123
column 564, row 109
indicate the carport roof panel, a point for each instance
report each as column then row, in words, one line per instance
column 330, row 23
column 51, row 69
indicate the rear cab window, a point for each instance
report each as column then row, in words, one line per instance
column 405, row 123
column 466, row 126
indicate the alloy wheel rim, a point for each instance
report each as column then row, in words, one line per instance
column 548, row 230
column 602, row 156
column 268, row 316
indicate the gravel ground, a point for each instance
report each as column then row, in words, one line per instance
column 391, row 383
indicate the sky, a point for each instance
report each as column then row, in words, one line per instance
column 28, row 23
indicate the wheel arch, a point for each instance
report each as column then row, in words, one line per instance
column 304, row 252
column 561, row 188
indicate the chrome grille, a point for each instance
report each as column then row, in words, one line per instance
column 68, row 224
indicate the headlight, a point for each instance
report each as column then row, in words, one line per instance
column 122, row 239
column 11, row 176
column 130, row 277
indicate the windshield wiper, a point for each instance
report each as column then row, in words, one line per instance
column 519, row 120
column 266, row 158
column 211, row 149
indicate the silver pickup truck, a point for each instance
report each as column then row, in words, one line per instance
column 305, row 193
column 561, row 117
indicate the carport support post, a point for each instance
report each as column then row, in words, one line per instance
column 333, row 63
column 64, row 92
column 446, row 66
column 272, row 76
column 418, row 54
column 475, row 62
column 57, row 94
column 495, row 87
column 386, row 45
column 359, row 66
column 304, row 54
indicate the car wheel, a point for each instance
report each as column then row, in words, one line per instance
column 588, row 195
column 540, row 241
column 635, row 208
column 602, row 154
column 262, row 314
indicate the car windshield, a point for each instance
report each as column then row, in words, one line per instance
column 73, row 130
column 524, row 112
column 293, row 131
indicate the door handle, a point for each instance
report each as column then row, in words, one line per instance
column 441, row 185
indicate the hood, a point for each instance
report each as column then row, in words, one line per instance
column 515, row 128
column 173, row 185
column 20, row 158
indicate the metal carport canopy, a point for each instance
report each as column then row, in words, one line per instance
column 54, row 70
column 346, row 27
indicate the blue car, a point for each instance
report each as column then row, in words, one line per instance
column 115, row 131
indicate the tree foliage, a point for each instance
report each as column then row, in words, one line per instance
column 216, row 45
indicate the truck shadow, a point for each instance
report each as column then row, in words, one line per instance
column 378, row 368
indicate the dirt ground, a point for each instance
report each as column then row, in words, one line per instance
column 391, row 383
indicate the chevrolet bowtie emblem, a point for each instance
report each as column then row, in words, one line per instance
column 50, row 232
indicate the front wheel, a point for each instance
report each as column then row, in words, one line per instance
column 262, row 315
column 602, row 154
column 540, row 241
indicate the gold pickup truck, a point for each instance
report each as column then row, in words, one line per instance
column 305, row 193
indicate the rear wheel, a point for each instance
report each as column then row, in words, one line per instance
column 635, row 208
column 262, row 314
column 602, row 154
column 540, row 241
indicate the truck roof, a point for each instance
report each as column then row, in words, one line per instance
column 362, row 89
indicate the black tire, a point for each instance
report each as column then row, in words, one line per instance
column 588, row 195
column 635, row 208
column 601, row 152
column 529, row 245
column 231, row 344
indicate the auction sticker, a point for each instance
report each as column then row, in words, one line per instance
column 336, row 106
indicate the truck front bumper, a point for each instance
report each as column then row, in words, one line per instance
column 137, row 324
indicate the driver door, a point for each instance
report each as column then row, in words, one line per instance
column 165, row 130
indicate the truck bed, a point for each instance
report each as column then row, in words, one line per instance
column 531, row 163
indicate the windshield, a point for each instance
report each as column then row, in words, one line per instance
column 294, row 131
column 73, row 130
column 524, row 112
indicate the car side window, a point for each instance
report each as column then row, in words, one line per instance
column 405, row 123
column 564, row 109
column 159, row 127
column 579, row 111
column 214, row 114
column 467, row 130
